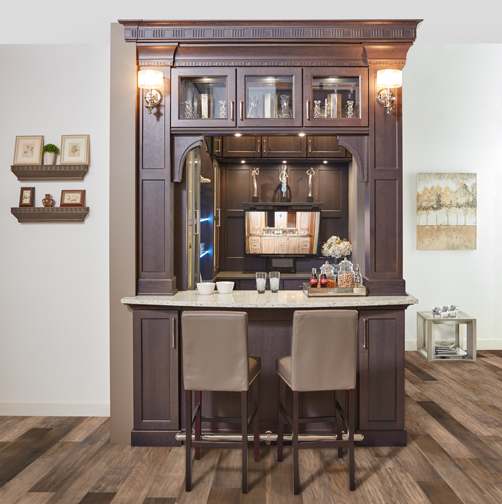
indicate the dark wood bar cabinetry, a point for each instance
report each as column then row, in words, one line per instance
column 241, row 99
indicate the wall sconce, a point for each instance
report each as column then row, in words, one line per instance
column 152, row 81
column 387, row 80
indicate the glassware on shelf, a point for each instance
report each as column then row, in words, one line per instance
column 285, row 107
column 274, row 278
column 335, row 97
column 268, row 97
column 345, row 274
column 261, row 282
column 203, row 98
column 317, row 109
column 222, row 109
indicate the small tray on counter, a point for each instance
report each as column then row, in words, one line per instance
column 335, row 291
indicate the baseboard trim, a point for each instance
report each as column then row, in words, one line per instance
column 54, row 409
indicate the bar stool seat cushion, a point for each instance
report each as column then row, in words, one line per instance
column 284, row 369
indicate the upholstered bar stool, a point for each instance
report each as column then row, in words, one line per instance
column 215, row 358
column 323, row 358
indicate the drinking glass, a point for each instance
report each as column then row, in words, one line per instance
column 274, row 277
column 261, row 282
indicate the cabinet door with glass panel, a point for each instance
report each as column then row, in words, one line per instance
column 203, row 97
column 269, row 96
column 335, row 96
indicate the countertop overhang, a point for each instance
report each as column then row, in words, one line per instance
column 286, row 299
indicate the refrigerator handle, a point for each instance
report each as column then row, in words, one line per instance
column 196, row 218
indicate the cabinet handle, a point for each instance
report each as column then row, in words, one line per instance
column 232, row 110
column 265, row 144
column 307, row 109
column 173, row 332
column 218, row 213
column 309, row 141
column 241, row 110
column 365, row 341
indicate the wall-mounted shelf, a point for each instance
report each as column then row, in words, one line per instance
column 50, row 172
column 54, row 214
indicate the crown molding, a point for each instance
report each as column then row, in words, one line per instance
column 141, row 31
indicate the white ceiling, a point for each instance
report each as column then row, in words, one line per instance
column 87, row 21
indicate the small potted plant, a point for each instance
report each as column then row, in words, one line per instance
column 50, row 153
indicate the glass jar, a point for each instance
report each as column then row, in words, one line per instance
column 358, row 277
column 328, row 270
column 345, row 274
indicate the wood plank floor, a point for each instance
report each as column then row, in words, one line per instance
column 454, row 455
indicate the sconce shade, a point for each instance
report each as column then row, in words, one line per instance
column 150, row 79
column 390, row 78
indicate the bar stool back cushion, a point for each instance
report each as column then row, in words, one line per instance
column 215, row 351
column 324, row 350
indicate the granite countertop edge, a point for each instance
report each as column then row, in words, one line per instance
column 251, row 299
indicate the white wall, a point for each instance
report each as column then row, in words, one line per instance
column 54, row 277
column 453, row 122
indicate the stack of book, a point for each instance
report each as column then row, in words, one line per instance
column 444, row 350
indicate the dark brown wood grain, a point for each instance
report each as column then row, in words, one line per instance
column 156, row 370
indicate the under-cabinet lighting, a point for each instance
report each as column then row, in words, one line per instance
column 206, row 219
column 301, row 134
column 325, row 162
column 387, row 80
column 243, row 161
column 152, row 82
column 205, row 253
column 237, row 134
column 284, row 162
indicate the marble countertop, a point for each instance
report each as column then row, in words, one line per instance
column 251, row 299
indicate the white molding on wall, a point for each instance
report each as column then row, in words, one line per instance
column 55, row 409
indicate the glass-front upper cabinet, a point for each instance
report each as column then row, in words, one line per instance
column 335, row 96
column 269, row 96
column 203, row 97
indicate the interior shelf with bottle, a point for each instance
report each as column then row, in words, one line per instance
column 269, row 96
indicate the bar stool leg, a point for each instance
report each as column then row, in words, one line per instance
column 280, row 425
column 198, row 423
column 338, row 427
column 296, row 469
column 256, row 438
column 352, row 422
column 188, row 440
column 244, row 442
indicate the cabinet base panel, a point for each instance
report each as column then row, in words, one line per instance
column 154, row 438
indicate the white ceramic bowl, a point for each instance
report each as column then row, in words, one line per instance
column 205, row 287
column 225, row 287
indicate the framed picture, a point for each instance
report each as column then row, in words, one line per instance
column 28, row 150
column 27, row 197
column 75, row 149
column 72, row 198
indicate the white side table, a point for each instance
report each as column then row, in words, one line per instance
column 425, row 340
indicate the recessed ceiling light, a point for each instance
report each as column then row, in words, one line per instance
column 301, row 134
column 243, row 161
column 324, row 162
column 237, row 134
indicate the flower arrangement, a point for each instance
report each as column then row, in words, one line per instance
column 336, row 247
